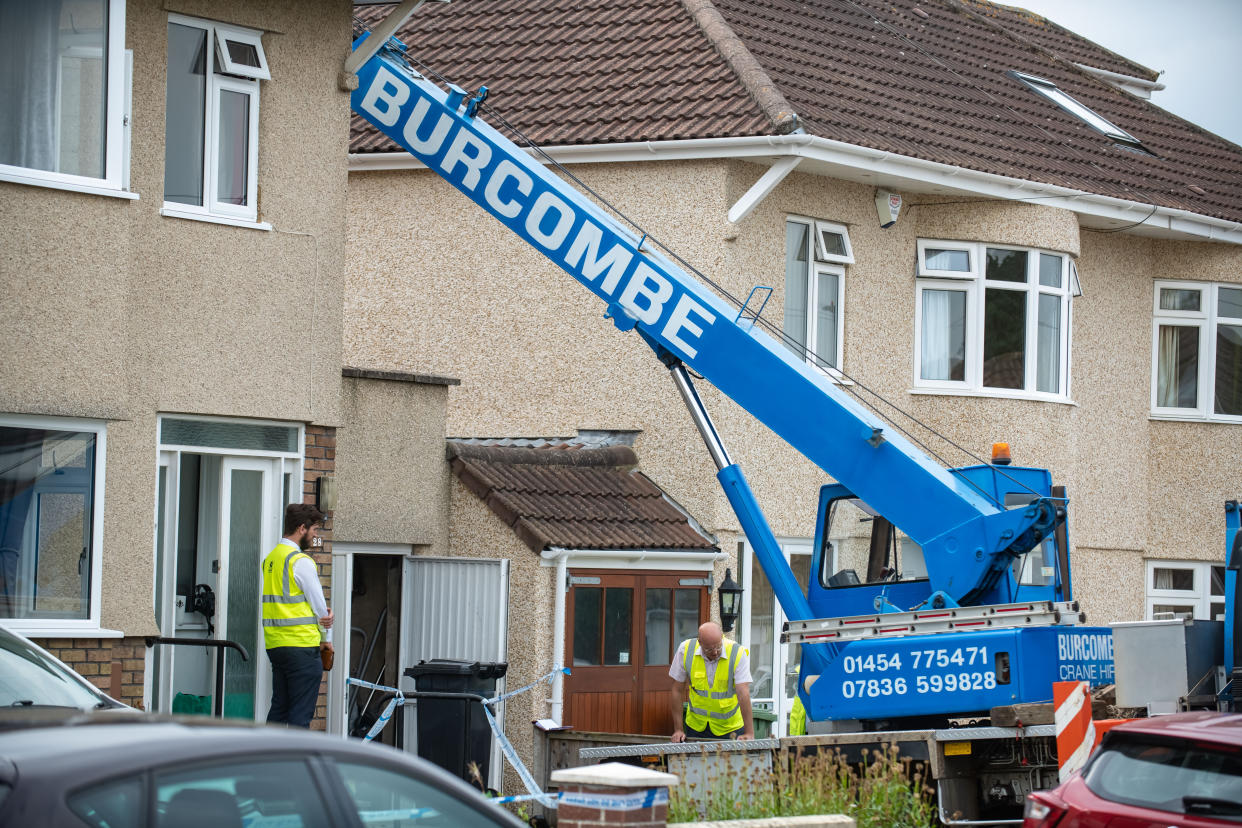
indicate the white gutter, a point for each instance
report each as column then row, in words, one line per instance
column 561, row 558
column 1140, row 87
column 770, row 148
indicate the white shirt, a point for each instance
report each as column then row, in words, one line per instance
column 741, row 667
column 306, row 575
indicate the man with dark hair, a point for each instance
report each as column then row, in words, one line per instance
column 294, row 609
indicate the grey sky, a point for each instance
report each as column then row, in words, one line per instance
column 1196, row 43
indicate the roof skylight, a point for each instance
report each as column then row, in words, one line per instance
column 1097, row 122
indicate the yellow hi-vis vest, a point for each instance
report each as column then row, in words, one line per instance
column 288, row 620
column 797, row 718
column 712, row 705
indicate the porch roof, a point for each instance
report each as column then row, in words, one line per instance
column 575, row 497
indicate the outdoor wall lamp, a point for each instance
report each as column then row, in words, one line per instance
column 730, row 601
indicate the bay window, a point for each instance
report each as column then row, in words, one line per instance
column 1197, row 351
column 992, row 319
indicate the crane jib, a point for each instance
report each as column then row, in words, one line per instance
column 521, row 195
column 968, row 539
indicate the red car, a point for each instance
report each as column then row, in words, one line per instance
column 1183, row 770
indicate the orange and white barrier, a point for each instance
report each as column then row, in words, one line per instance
column 1075, row 730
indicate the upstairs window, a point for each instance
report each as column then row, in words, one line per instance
column 1093, row 119
column 991, row 319
column 815, row 255
column 62, row 82
column 1197, row 351
column 211, row 133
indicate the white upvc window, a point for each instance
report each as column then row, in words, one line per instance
column 1197, row 351
column 1185, row 589
column 51, row 524
column 816, row 253
column 992, row 319
column 62, row 117
column 211, row 134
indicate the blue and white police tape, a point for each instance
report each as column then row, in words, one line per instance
column 616, row 802
column 506, row 747
column 534, row 683
column 397, row 700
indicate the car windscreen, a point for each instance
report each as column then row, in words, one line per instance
column 1178, row 776
column 29, row 677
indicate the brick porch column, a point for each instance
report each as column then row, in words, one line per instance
column 612, row 794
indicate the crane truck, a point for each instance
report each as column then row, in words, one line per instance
column 991, row 623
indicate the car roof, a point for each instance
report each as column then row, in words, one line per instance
column 102, row 745
column 99, row 746
column 1204, row 725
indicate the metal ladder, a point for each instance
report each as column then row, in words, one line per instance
column 921, row 622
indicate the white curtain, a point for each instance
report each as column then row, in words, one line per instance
column 797, row 271
column 1048, row 358
column 935, row 346
column 1166, row 368
column 29, row 57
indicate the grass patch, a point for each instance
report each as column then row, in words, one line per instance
column 884, row 791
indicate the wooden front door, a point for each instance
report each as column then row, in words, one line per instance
column 622, row 631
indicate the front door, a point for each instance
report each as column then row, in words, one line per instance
column 624, row 628
column 223, row 486
column 247, row 533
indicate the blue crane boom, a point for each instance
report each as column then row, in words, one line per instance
column 968, row 539
column 973, row 524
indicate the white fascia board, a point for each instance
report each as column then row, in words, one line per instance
column 662, row 559
column 774, row 148
column 1137, row 86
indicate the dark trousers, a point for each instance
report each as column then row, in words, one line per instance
column 296, row 673
column 705, row 733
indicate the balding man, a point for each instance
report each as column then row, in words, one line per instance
column 713, row 674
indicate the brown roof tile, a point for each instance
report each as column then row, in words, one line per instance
column 1060, row 41
column 579, row 71
column 871, row 73
column 576, row 498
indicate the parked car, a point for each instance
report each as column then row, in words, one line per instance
column 140, row 771
column 1183, row 770
column 32, row 677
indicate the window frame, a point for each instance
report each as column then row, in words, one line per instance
column 248, row 37
column 116, row 125
column 819, row 263
column 1206, row 319
column 975, row 284
column 72, row 627
column 218, row 80
column 212, row 147
column 1200, row 595
column 1078, row 109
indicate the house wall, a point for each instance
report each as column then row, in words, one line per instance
column 391, row 474
column 444, row 289
column 117, row 313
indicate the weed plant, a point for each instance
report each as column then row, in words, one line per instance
column 883, row 791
